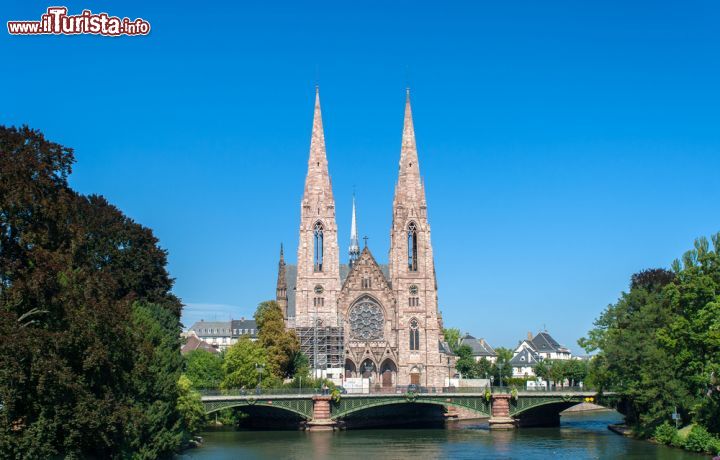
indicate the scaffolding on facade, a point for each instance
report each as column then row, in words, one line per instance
column 325, row 342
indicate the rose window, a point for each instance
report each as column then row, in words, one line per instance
column 366, row 320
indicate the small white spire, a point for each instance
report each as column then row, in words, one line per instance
column 354, row 250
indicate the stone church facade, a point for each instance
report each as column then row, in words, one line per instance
column 384, row 318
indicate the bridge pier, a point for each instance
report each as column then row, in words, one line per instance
column 321, row 420
column 501, row 419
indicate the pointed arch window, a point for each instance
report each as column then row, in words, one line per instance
column 412, row 247
column 414, row 335
column 318, row 246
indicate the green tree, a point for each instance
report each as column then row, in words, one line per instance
column 504, row 354
column 483, row 368
column 89, row 357
column 282, row 345
column 501, row 369
column 452, row 337
column 465, row 364
column 189, row 405
column 203, row 369
column 577, row 371
column 156, row 425
column 542, row 369
column 242, row 363
column 658, row 345
column 301, row 365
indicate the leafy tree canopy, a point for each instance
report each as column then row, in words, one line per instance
column 282, row 345
column 659, row 345
column 452, row 337
column 203, row 369
column 89, row 359
column 246, row 363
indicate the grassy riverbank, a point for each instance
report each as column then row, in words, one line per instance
column 693, row 437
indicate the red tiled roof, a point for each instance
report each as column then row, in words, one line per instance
column 194, row 343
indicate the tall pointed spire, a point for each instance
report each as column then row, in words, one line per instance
column 317, row 181
column 354, row 244
column 318, row 261
column 409, row 185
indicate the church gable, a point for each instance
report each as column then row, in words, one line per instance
column 367, row 305
column 365, row 275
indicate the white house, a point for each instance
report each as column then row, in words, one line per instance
column 532, row 350
column 223, row 334
column 524, row 362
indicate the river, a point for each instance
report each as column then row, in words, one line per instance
column 581, row 435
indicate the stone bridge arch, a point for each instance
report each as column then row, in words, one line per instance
column 353, row 406
column 302, row 408
column 532, row 411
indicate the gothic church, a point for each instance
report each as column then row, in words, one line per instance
column 376, row 321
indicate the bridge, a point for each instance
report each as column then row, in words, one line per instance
column 505, row 409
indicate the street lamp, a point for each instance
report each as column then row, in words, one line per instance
column 500, row 369
column 259, row 368
column 549, row 367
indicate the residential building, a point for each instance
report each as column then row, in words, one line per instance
column 223, row 334
column 524, row 362
column 480, row 348
column 532, row 350
column 545, row 346
column 243, row 328
column 193, row 342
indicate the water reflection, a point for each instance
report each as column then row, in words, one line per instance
column 580, row 436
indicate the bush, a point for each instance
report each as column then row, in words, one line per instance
column 517, row 382
column 665, row 433
column 699, row 440
column 713, row 447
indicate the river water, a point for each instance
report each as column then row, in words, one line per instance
column 581, row 435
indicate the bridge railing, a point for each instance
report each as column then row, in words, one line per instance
column 260, row 391
column 398, row 389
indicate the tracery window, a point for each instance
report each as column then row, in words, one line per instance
column 414, row 335
column 366, row 320
column 318, row 245
column 412, row 247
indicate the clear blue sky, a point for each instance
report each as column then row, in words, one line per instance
column 564, row 145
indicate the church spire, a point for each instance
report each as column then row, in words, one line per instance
column 409, row 187
column 317, row 181
column 318, row 261
column 281, row 290
column 354, row 244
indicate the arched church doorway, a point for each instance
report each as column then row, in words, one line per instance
column 350, row 369
column 388, row 373
column 368, row 369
